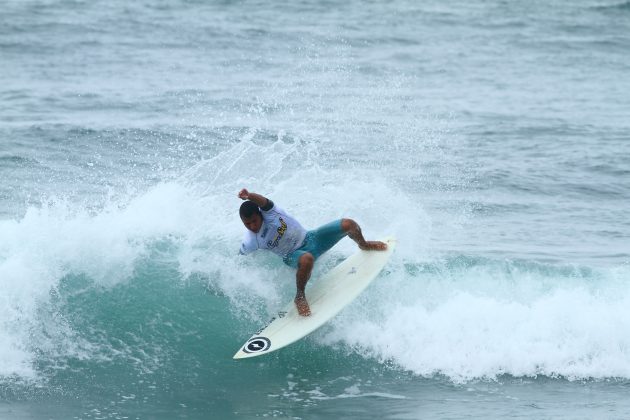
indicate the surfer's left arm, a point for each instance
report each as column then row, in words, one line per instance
column 263, row 202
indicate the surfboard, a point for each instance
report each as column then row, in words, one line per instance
column 327, row 296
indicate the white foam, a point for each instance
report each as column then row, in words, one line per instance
column 571, row 330
column 283, row 172
column 58, row 239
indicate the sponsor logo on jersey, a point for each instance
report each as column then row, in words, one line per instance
column 281, row 231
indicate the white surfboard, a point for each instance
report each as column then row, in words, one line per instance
column 327, row 296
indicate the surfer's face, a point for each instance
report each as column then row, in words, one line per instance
column 253, row 223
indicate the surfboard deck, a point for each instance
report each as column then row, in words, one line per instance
column 327, row 297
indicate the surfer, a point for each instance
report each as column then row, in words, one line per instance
column 269, row 227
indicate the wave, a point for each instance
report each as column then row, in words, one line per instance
column 144, row 301
column 497, row 317
column 195, row 217
column 154, row 280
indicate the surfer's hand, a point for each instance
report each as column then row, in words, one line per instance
column 302, row 306
column 243, row 194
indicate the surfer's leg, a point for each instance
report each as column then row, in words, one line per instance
column 305, row 267
column 354, row 232
column 325, row 237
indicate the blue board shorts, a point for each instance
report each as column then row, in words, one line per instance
column 317, row 242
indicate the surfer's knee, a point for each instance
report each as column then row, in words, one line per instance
column 306, row 261
column 348, row 225
column 353, row 230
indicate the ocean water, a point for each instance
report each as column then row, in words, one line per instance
column 490, row 137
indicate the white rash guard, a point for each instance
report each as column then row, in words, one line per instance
column 279, row 233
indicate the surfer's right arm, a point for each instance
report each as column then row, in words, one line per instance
column 264, row 203
column 249, row 244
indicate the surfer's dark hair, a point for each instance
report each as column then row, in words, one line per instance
column 248, row 209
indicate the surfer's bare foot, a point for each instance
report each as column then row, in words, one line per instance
column 302, row 306
column 373, row 246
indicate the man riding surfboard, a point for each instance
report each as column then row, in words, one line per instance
column 271, row 228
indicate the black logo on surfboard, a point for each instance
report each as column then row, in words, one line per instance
column 257, row 344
